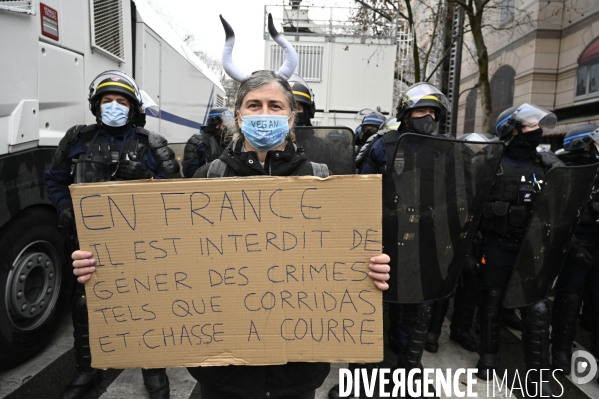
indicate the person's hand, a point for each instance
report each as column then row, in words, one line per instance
column 132, row 170
column 83, row 265
column 379, row 271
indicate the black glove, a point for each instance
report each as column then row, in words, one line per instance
column 579, row 256
column 132, row 170
column 66, row 221
column 471, row 266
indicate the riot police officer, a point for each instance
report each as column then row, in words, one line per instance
column 418, row 112
column 306, row 107
column 370, row 125
column 581, row 269
column 503, row 226
column 209, row 143
column 319, row 144
column 116, row 147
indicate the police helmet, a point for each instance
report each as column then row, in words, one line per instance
column 362, row 113
column 374, row 118
column 303, row 94
column 581, row 137
column 390, row 124
column 476, row 137
column 358, row 131
column 523, row 115
column 339, row 137
column 116, row 82
column 217, row 116
column 421, row 95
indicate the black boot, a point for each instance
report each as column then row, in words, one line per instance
column 156, row 382
column 489, row 313
column 535, row 342
column 510, row 319
column 464, row 306
column 566, row 308
column 434, row 332
column 417, row 323
column 86, row 377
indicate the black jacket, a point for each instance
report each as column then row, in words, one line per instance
column 258, row 382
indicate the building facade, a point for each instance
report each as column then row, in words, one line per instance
column 348, row 64
column 546, row 53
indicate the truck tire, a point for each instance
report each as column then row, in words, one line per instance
column 36, row 284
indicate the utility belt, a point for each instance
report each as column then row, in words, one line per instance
column 509, row 208
column 503, row 218
column 502, row 244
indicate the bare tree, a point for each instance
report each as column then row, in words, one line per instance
column 425, row 46
column 482, row 21
column 484, row 18
column 214, row 64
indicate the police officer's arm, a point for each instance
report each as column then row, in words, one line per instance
column 160, row 158
column 58, row 178
column 194, row 155
column 57, row 186
column 377, row 156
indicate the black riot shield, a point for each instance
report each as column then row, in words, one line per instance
column 433, row 197
column 545, row 246
column 331, row 145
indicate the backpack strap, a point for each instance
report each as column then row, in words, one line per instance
column 320, row 169
column 216, row 169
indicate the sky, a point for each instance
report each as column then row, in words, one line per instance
column 200, row 18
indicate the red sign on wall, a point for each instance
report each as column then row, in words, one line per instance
column 49, row 19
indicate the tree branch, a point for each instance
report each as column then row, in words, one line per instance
column 382, row 14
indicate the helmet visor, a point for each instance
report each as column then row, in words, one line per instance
column 362, row 113
column 148, row 103
column 530, row 115
column 424, row 91
column 131, row 86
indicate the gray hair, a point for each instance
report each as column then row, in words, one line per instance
column 255, row 81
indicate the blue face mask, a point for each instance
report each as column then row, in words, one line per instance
column 265, row 132
column 114, row 114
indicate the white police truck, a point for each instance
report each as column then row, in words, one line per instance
column 50, row 50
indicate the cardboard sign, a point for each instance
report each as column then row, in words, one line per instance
column 248, row 271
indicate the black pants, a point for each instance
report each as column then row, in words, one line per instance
column 212, row 393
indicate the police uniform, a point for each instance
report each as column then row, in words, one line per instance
column 96, row 153
column 208, row 144
column 580, row 273
column 409, row 323
column 503, row 225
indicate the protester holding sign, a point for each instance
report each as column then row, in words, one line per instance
column 262, row 144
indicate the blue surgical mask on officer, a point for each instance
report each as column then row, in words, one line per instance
column 265, row 132
column 114, row 114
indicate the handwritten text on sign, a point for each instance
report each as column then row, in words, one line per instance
column 232, row 271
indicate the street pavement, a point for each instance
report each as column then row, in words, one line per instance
column 46, row 375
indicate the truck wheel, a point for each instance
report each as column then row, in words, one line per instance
column 35, row 284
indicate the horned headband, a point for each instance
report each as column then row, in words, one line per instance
column 239, row 75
